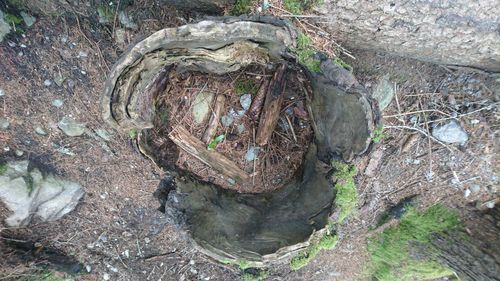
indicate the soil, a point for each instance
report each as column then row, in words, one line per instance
column 117, row 229
column 274, row 164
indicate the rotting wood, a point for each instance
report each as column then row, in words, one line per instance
column 272, row 106
column 214, row 119
column 256, row 106
column 196, row 148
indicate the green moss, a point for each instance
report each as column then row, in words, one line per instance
column 28, row 179
column 297, row 7
column 12, row 19
column 242, row 7
column 338, row 61
column 261, row 275
column 244, row 86
column 243, row 264
column 305, row 53
column 378, row 134
column 327, row 242
column 132, row 133
column 389, row 251
column 106, row 13
column 346, row 197
column 3, row 168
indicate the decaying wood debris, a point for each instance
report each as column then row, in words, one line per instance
column 272, row 106
column 214, row 119
column 183, row 139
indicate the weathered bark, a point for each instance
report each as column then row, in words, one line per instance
column 473, row 257
column 214, row 119
column 256, row 107
column 203, row 6
column 272, row 107
column 453, row 32
column 215, row 160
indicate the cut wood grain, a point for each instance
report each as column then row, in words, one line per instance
column 214, row 119
column 196, row 148
column 256, row 106
column 272, row 106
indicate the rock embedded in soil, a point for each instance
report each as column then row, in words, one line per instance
column 384, row 92
column 40, row 131
column 126, row 21
column 57, row 103
column 451, row 132
column 103, row 134
column 70, row 127
column 4, row 123
column 47, row 82
column 27, row 192
column 201, row 106
column 28, row 19
column 246, row 101
column 2, row 93
column 4, row 27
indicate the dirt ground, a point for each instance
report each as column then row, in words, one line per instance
column 117, row 229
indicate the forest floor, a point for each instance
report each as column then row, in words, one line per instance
column 117, row 229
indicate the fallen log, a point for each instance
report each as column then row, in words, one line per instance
column 196, row 148
column 272, row 106
column 214, row 119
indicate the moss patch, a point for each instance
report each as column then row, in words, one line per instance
column 244, row 86
column 3, row 168
column 390, row 259
column 255, row 275
column 297, row 7
column 242, row 7
column 132, row 133
column 327, row 242
column 305, row 53
column 378, row 134
column 347, row 195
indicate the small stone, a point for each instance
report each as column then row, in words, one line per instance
column 252, row 153
column 231, row 181
column 240, row 129
column 227, row 120
column 120, row 36
column 28, row 19
column 384, row 92
column 105, row 277
column 83, row 54
column 4, row 123
column 467, row 193
column 57, row 103
column 5, row 27
column 201, row 106
column 88, row 268
column 19, row 153
column 47, row 82
column 126, row 21
column 246, row 101
column 2, row 93
column 147, row 240
column 451, row 132
column 490, row 204
column 475, row 188
column 126, row 254
column 105, row 135
column 70, row 127
column 40, row 131
column 71, row 84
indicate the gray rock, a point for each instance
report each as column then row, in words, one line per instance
column 490, row 204
column 105, row 135
column 246, row 101
column 126, row 21
column 70, row 127
column 384, row 92
column 105, row 277
column 2, row 93
column 4, row 27
column 201, row 106
column 231, row 181
column 28, row 193
column 227, row 120
column 252, row 153
column 47, row 82
column 40, row 131
column 57, row 103
column 28, row 19
column 240, row 129
column 4, row 123
column 451, row 132
column 83, row 54
column 467, row 193
column 19, row 153
column 59, row 80
column 475, row 188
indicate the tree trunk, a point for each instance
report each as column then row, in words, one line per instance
column 474, row 257
column 453, row 32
